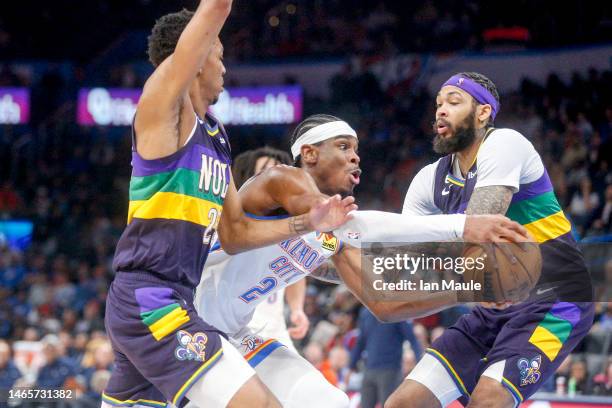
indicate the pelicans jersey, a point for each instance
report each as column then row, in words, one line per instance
column 175, row 206
column 537, row 334
column 506, row 158
column 162, row 347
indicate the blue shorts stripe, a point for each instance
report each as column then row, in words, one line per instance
column 263, row 353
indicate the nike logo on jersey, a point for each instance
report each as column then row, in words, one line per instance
column 542, row 291
column 446, row 190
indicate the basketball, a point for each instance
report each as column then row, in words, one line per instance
column 503, row 279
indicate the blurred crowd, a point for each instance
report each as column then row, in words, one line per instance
column 273, row 28
column 72, row 181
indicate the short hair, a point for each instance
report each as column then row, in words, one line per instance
column 307, row 124
column 165, row 35
column 487, row 84
column 243, row 167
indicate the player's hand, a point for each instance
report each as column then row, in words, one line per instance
column 493, row 228
column 299, row 325
column 331, row 213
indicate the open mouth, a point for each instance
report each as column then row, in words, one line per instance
column 442, row 128
column 355, row 176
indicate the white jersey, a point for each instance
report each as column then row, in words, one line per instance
column 232, row 285
column 269, row 318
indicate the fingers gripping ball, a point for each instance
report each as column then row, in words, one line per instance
column 509, row 274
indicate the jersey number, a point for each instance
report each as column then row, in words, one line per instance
column 265, row 286
column 209, row 232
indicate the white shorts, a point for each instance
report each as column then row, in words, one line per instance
column 292, row 379
column 219, row 385
column 430, row 373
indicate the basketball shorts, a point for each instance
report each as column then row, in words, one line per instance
column 162, row 347
column 521, row 347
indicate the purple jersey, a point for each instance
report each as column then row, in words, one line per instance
column 175, row 205
column 534, row 206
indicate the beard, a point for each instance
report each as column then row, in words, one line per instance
column 463, row 136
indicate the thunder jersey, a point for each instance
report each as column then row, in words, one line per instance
column 507, row 158
column 175, row 206
column 233, row 285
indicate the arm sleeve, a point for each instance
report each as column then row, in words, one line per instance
column 420, row 196
column 507, row 158
column 379, row 226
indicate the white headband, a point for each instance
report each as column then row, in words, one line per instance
column 320, row 133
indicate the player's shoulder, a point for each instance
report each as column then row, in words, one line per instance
column 428, row 172
column 506, row 136
column 282, row 172
column 507, row 142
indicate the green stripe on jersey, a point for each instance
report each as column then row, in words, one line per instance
column 180, row 181
column 534, row 208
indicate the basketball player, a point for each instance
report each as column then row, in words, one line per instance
column 269, row 317
column 180, row 184
column 490, row 357
column 325, row 152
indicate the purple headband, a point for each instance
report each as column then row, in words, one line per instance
column 478, row 92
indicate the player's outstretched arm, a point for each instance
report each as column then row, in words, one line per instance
column 239, row 233
column 379, row 226
column 166, row 91
column 387, row 306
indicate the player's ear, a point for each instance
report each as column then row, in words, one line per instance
column 483, row 112
column 310, row 154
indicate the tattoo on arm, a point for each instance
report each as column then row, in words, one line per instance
column 327, row 273
column 297, row 225
column 490, row 200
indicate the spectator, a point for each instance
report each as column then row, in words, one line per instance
column 602, row 223
column 578, row 382
column 584, row 202
column 382, row 345
column 602, row 382
column 313, row 352
column 58, row 371
column 9, row 373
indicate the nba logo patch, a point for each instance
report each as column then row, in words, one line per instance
column 329, row 242
column 530, row 370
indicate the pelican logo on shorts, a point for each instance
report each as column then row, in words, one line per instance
column 251, row 342
column 191, row 347
column 329, row 242
column 530, row 370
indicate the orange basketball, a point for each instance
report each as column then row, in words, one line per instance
column 509, row 273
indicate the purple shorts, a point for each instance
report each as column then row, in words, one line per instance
column 527, row 342
column 161, row 345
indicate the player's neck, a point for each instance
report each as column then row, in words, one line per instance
column 200, row 107
column 467, row 156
